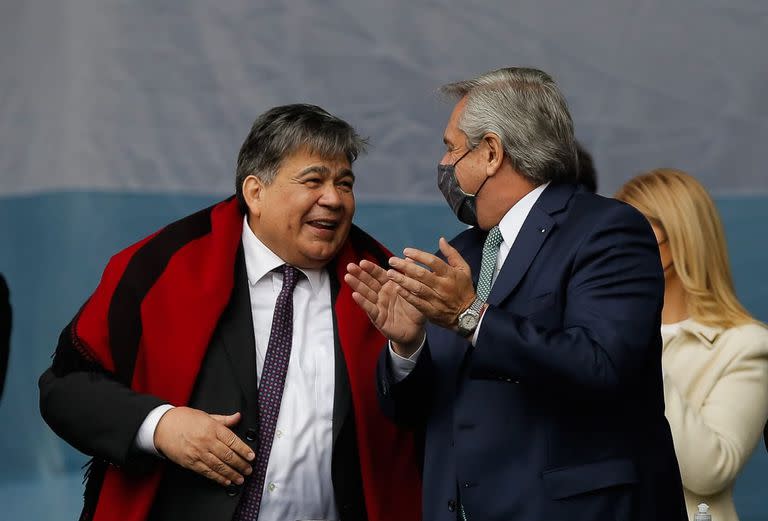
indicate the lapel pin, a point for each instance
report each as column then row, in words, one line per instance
column 543, row 230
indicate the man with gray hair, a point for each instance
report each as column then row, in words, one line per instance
column 221, row 369
column 528, row 348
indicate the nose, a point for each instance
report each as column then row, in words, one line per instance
column 330, row 197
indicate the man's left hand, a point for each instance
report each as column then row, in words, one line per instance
column 440, row 290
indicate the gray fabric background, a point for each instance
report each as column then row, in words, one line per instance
column 158, row 95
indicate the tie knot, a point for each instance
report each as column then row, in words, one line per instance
column 494, row 238
column 290, row 276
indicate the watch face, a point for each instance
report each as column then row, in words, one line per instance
column 467, row 321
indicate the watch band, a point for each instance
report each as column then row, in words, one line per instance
column 477, row 305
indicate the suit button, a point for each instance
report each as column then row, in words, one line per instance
column 469, row 484
column 233, row 490
column 451, row 506
column 250, row 435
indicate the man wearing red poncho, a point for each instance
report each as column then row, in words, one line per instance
column 221, row 370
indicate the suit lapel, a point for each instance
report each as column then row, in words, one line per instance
column 535, row 230
column 342, row 398
column 236, row 330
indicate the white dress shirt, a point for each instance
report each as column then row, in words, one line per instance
column 298, row 480
column 509, row 226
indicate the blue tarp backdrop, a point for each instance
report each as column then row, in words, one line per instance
column 119, row 116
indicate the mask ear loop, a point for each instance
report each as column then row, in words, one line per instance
column 457, row 180
column 462, row 157
column 481, row 185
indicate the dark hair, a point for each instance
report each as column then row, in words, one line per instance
column 280, row 131
column 587, row 173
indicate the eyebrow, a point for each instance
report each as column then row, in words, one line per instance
column 325, row 171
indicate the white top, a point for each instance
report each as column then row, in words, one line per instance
column 716, row 398
column 298, row 481
column 509, row 226
column 670, row 330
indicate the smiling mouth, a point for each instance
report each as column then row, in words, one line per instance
column 324, row 224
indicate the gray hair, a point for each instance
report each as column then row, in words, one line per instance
column 282, row 130
column 528, row 112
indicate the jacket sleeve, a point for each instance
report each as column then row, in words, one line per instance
column 406, row 402
column 90, row 410
column 714, row 443
column 612, row 298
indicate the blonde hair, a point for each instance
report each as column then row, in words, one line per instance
column 679, row 205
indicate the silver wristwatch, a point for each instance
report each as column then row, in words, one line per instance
column 470, row 317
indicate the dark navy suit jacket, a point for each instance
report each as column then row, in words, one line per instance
column 558, row 411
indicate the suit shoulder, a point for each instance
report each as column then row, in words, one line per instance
column 600, row 205
column 751, row 338
column 605, row 211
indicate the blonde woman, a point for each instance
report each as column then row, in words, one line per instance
column 715, row 356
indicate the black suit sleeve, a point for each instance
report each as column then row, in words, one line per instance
column 406, row 402
column 5, row 331
column 89, row 409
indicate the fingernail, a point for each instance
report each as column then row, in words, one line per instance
column 227, row 482
column 248, row 471
column 251, row 455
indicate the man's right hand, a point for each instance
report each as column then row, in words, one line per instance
column 203, row 443
column 380, row 298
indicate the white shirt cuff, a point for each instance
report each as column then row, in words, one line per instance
column 401, row 366
column 145, row 438
column 477, row 330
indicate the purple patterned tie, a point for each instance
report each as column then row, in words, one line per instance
column 270, row 393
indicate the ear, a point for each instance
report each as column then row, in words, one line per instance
column 253, row 189
column 494, row 153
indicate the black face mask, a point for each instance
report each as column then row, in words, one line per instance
column 462, row 203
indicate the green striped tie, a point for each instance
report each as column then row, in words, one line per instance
column 488, row 264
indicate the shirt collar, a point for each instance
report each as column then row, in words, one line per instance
column 260, row 260
column 707, row 334
column 513, row 220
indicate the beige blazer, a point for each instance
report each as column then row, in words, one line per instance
column 716, row 394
